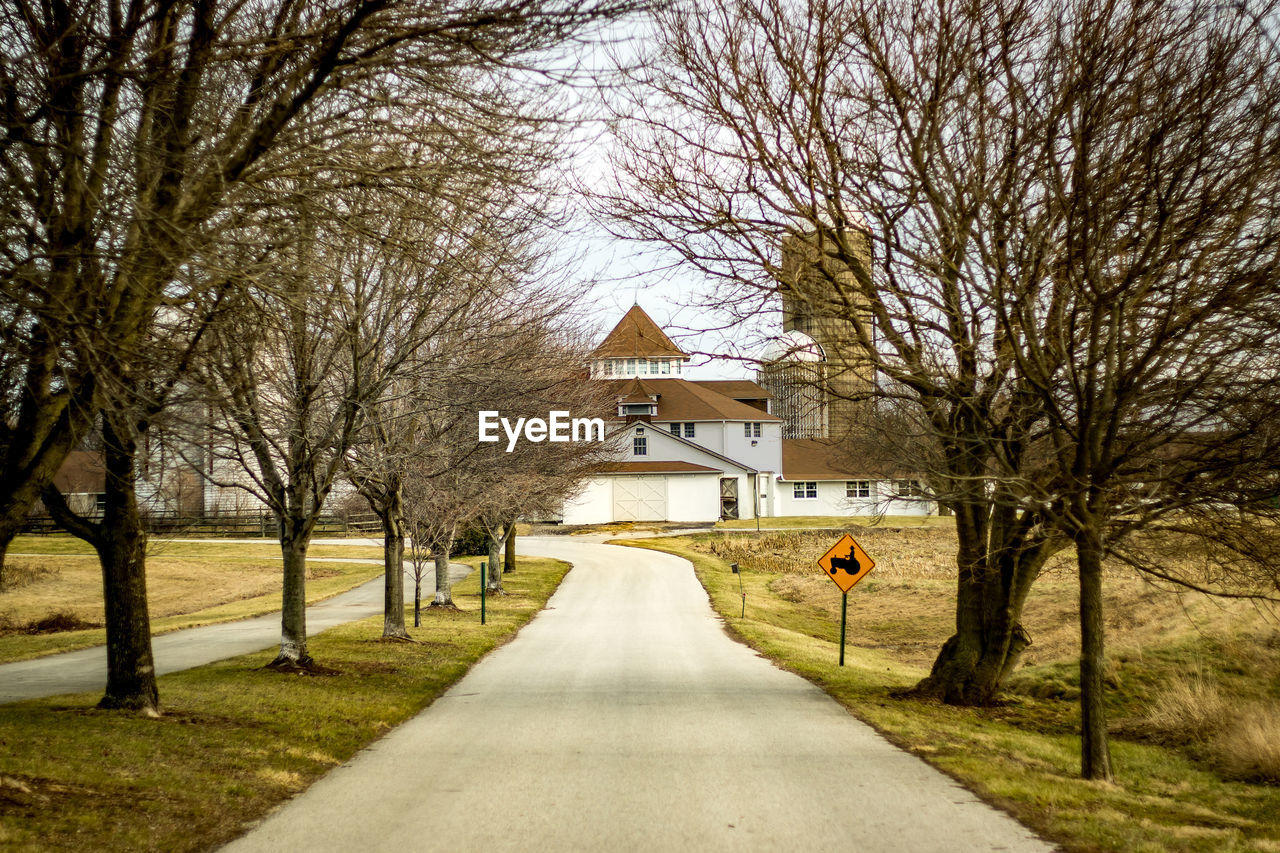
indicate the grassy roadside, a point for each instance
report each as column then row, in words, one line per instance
column 1024, row 755
column 235, row 740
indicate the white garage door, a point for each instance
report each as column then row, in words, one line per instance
column 640, row 498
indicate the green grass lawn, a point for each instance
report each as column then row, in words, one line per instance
column 837, row 522
column 235, row 740
column 1023, row 755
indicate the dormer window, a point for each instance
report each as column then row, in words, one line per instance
column 608, row 368
column 628, row 409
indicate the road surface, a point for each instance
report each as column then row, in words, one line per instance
column 623, row 718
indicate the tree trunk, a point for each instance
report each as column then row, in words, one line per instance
column 391, row 513
column 122, row 550
column 1095, row 754
column 417, row 595
column 495, row 565
column 997, row 568
column 509, row 561
column 293, row 610
column 444, row 589
column 121, row 546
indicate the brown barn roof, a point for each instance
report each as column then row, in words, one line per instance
column 682, row 400
column 817, row 459
column 738, row 389
column 636, row 335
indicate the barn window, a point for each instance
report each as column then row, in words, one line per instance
column 640, row 446
column 857, row 489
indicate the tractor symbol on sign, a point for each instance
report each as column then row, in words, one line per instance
column 850, row 563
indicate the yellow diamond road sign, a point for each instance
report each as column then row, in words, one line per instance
column 846, row 563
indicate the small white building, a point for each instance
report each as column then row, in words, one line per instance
column 700, row 451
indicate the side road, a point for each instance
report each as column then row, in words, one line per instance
column 84, row 670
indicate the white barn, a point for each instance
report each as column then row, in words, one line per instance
column 700, row 451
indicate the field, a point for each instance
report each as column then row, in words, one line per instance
column 52, row 598
column 1194, row 686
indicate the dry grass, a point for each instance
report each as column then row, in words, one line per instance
column 73, row 585
column 907, row 604
column 60, row 589
column 1238, row 735
column 1191, row 709
column 1249, row 749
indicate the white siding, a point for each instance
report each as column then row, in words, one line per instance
column 831, row 500
column 592, row 505
column 764, row 455
column 693, row 497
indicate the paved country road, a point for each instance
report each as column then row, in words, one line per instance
column 84, row 670
column 624, row 718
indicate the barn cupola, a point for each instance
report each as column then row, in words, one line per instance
column 637, row 348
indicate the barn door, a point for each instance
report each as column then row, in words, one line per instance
column 729, row 497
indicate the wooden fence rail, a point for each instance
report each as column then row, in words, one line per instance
column 238, row 525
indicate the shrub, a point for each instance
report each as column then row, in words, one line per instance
column 470, row 541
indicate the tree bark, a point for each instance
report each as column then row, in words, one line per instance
column 495, row 565
column 998, row 565
column 444, row 589
column 293, row 609
column 1095, row 753
column 509, row 561
column 391, row 512
column 417, row 597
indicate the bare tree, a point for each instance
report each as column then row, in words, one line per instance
column 130, row 130
column 924, row 154
column 872, row 134
column 1148, row 332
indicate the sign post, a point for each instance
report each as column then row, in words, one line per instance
column 484, row 582
column 846, row 564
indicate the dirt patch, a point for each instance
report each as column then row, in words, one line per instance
column 307, row 667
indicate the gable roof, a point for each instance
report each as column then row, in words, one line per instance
column 636, row 335
column 682, row 400
column 692, row 445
